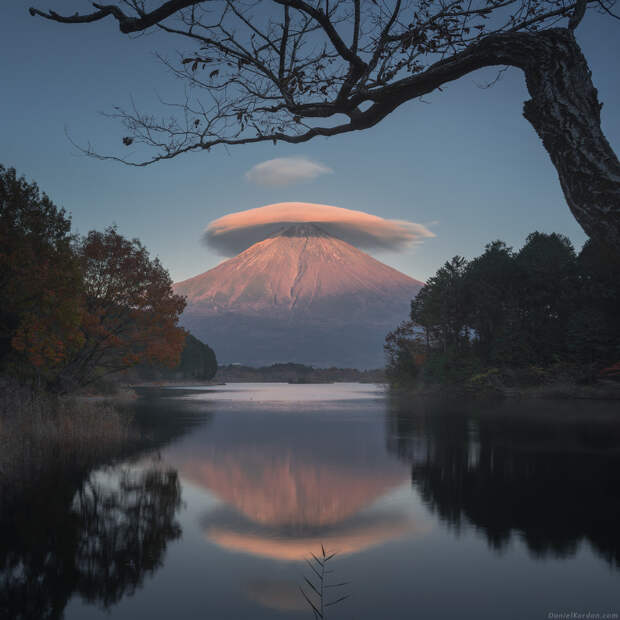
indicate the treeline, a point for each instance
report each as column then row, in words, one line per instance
column 539, row 314
column 297, row 373
column 77, row 309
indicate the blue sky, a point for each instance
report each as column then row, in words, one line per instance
column 464, row 162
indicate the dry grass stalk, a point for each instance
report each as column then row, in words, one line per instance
column 316, row 596
column 38, row 430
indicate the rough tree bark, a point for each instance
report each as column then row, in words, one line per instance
column 565, row 112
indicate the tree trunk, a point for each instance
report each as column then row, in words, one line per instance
column 563, row 109
column 565, row 112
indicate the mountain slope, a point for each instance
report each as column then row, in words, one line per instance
column 300, row 295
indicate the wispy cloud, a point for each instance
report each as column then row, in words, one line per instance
column 285, row 171
column 235, row 232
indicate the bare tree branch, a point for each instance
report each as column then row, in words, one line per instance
column 126, row 24
column 280, row 70
column 578, row 14
column 273, row 79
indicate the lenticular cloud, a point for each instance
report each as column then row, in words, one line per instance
column 236, row 232
column 285, row 171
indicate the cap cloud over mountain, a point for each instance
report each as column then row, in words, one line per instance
column 300, row 295
column 236, row 232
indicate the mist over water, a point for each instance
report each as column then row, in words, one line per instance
column 436, row 509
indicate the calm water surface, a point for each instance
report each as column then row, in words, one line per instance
column 436, row 509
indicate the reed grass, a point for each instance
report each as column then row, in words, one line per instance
column 39, row 431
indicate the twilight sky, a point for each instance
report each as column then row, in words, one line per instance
column 464, row 163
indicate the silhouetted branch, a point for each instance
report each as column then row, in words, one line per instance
column 273, row 79
column 126, row 23
column 282, row 70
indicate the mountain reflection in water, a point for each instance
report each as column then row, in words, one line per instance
column 437, row 509
column 286, row 484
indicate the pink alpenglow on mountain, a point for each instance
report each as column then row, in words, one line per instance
column 301, row 295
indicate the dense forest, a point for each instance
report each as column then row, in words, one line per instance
column 510, row 318
column 197, row 363
column 77, row 309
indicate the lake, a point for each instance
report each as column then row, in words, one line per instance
column 434, row 509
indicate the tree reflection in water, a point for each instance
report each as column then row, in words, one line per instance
column 99, row 542
column 550, row 475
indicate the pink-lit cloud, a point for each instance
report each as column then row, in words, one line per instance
column 236, row 232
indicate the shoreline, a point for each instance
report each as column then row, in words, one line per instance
column 607, row 390
column 553, row 391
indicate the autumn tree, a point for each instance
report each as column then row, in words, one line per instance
column 74, row 310
column 291, row 70
column 130, row 311
column 40, row 282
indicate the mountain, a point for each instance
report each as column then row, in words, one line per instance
column 301, row 295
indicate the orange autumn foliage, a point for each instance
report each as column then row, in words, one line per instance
column 40, row 281
column 130, row 312
column 72, row 311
